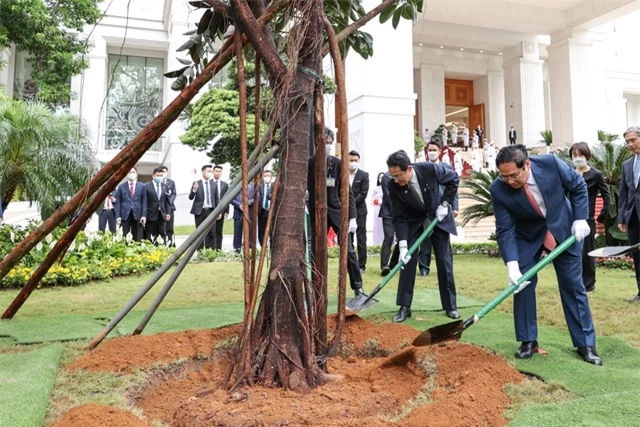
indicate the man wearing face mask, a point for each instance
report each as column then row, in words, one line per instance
column 171, row 194
column 158, row 208
column 580, row 155
column 359, row 181
column 131, row 206
column 204, row 195
column 334, row 183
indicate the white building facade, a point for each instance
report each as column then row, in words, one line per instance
column 568, row 66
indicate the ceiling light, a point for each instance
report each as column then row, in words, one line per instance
column 441, row 47
column 499, row 53
column 461, row 48
column 482, row 51
column 420, row 44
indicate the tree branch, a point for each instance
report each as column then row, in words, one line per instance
column 358, row 24
column 258, row 39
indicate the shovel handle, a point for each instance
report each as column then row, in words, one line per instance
column 525, row 277
column 400, row 264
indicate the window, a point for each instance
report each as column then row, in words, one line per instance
column 134, row 98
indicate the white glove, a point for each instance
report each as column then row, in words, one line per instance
column 404, row 252
column 353, row 226
column 515, row 275
column 580, row 229
column 442, row 212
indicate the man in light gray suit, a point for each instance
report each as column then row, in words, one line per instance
column 629, row 199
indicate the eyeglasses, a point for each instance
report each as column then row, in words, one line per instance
column 512, row 177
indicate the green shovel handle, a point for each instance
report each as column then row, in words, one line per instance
column 525, row 277
column 400, row 264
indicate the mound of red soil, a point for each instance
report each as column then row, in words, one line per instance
column 378, row 379
column 92, row 415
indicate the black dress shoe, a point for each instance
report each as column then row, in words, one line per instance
column 358, row 292
column 591, row 288
column 423, row 272
column 453, row 314
column 589, row 355
column 633, row 299
column 385, row 271
column 403, row 314
column 527, row 349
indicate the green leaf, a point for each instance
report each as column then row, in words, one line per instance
column 187, row 45
column 396, row 18
column 387, row 13
column 190, row 32
column 199, row 4
column 407, row 11
column 206, row 19
column 179, row 83
column 175, row 73
column 419, row 5
column 184, row 61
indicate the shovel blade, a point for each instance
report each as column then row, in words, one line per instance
column 440, row 333
column 612, row 251
column 359, row 303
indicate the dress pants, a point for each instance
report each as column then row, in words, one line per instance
column 589, row 263
column 440, row 241
column 387, row 242
column 573, row 296
column 130, row 225
column 156, row 229
column 170, row 233
column 107, row 217
column 633, row 231
column 210, row 237
column 219, row 228
column 361, row 241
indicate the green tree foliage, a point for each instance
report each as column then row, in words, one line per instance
column 478, row 186
column 43, row 155
column 50, row 31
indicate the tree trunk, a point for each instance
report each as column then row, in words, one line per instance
column 283, row 350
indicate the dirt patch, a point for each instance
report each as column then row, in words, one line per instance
column 92, row 415
column 379, row 380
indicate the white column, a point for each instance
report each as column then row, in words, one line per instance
column 524, row 94
column 575, row 92
column 6, row 71
column 90, row 87
column 495, row 108
column 381, row 98
column 431, row 96
column 615, row 111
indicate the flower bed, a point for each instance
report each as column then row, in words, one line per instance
column 91, row 256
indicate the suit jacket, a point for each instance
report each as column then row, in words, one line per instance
column 125, row 204
column 171, row 193
column 157, row 208
column 101, row 207
column 223, row 190
column 334, row 167
column 454, row 205
column 1, row 212
column 628, row 198
column 512, row 134
column 520, row 229
column 409, row 212
column 237, row 203
column 198, row 196
column 261, row 196
column 385, row 207
column 360, row 189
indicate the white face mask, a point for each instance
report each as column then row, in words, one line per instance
column 580, row 162
column 329, row 149
column 208, row 175
column 267, row 180
column 353, row 166
column 433, row 155
column 132, row 176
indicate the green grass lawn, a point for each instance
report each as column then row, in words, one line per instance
column 210, row 294
column 186, row 230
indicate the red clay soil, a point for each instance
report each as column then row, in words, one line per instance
column 90, row 415
column 379, row 380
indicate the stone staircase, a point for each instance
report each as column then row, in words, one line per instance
column 474, row 232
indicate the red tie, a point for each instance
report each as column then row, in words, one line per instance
column 131, row 190
column 549, row 240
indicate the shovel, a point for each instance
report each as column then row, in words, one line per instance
column 361, row 302
column 613, row 251
column 453, row 330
